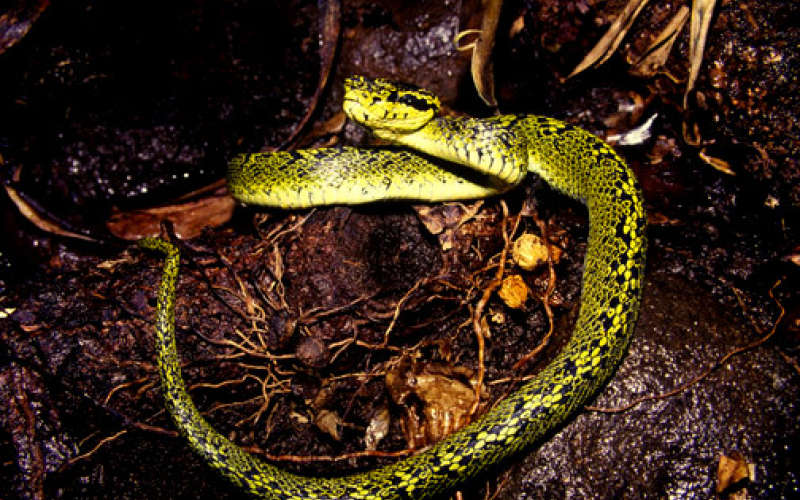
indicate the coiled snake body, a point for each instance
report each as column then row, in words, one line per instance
column 500, row 151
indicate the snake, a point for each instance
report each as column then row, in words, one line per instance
column 432, row 158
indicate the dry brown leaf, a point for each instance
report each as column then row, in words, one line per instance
column 378, row 428
column 325, row 134
column 609, row 43
column 444, row 220
column 655, row 57
column 437, row 399
column 702, row 12
column 330, row 423
column 734, row 473
column 37, row 218
column 189, row 218
column 718, row 163
column 482, row 67
column 481, row 64
column 16, row 21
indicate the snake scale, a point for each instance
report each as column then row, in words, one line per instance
column 499, row 152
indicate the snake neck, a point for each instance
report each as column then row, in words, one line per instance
column 489, row 146
column 507, row 147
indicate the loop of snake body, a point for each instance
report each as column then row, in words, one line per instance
column 482, row 157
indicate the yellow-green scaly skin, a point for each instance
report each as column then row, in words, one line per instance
column 505, row 148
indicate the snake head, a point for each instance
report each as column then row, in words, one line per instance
column 387, row 106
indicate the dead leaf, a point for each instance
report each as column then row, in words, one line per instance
column 444, row 220
column 37, row 217
column 718, row 163
column 482, row 67
column 189, row 218
column 437, row 399
column 378, row 428
column 734, row 473
column 330, row 423
column 16, row 21
column 609, row 43
column 635, row 136
column 702, row 12
column 655, row 57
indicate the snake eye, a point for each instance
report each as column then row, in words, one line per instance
column 416, row 102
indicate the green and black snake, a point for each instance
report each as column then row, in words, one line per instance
column 500, row 151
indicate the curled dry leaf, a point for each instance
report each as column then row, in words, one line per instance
column 330, row 423
column 330, row 30
column 37, row 217
column 718, row 163
column 701, row 14
column 444, row 220
column 437, row 399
